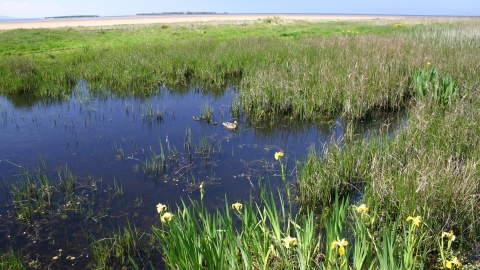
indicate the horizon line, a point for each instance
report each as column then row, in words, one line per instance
column 198, row 13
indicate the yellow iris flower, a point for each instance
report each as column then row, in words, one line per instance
column 278, row 155
column 453, row 263
column 362, row 209
column 166, row 217
column 449, row 235
column 237, row 206
column 341, row 245
column 161, row 208
column 290, row 241
column 416, row 220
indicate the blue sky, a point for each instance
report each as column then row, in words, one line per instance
column 45, row 8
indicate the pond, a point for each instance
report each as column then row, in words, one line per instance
column 100, row 161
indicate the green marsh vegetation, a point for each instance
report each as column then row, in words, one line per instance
column 269, row 235
column 10, row 260
column 138, row 60
column 46, row 204
column 119, row 249
column 347, row 67
column 415, row 185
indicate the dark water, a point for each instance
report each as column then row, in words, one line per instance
column 105, row 141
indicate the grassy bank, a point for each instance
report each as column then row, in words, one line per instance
column 45, row 41
column 429, row 168
column 323, row 69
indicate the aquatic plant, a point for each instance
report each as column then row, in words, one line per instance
column 206, row 112
column 266, row 237
column 32, row 192
column 156, row 164
column 442, row 90
column 11, row 260
column 122, row 248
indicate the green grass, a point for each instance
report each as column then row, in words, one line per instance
column 11, row 261
column 429, row 167
column 206, row 112
column 124, row 248
column 358, row 71
column 53, row 41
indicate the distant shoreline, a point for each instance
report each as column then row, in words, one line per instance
column 72, row 16
column 74, row 21
column 179, row 13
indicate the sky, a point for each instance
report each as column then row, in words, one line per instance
column 48, row 8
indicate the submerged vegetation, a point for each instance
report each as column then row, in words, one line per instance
column 407, row 200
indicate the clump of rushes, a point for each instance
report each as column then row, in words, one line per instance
column 33, row 192
column 155, row 165
column 340, row 167
column 37, row 194
column 206, row 112
column 67, row 183
column 121, row 249
column 10, row 260
column 428, row 167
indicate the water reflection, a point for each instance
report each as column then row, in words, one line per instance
column 31, row 101
column 109, row 142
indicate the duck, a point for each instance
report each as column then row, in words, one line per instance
column 229, row 125
column 196, row 118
